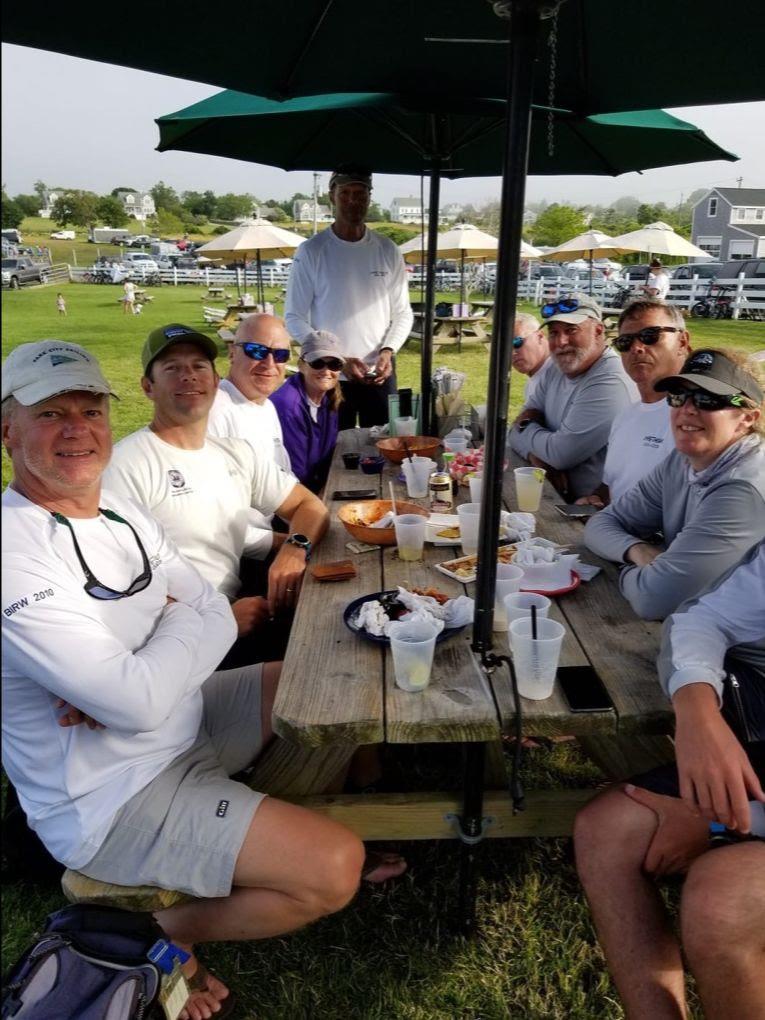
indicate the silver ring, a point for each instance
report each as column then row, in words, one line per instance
column 290, row 589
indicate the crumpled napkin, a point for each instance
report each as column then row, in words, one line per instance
column 386, row 521
column 456, row 612
column 518, row 527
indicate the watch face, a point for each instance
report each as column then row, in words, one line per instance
column 299, row 540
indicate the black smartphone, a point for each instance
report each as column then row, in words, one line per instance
column 583, row 689
column 576, row 513
column 405, row 403
column 355, row 494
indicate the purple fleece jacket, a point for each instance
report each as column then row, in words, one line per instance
column 309, row 443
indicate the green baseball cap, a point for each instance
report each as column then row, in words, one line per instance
column 165, row 336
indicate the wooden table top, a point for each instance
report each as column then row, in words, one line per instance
column 337, row 688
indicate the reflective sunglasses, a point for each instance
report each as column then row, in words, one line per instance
column 333, row 364
column 259, row 352
column 92, row 585
column 647, row 336
column 705, row 401
column 555, row 307
column 518, row 342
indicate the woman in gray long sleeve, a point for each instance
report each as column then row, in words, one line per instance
column 707, row 499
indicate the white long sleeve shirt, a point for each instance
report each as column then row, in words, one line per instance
column 357, row 290
column 135, row 664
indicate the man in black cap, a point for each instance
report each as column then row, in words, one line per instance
column 351, row 281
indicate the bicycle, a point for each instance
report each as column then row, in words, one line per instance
column 717, row 303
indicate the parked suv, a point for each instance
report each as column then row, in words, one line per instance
column 21, row 270
column 753, row 269
column 140, row 261
column 704, row 271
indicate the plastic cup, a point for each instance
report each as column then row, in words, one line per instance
column 476, row 487
column 417, row 472
column 518, row 605
column 455, row 445
column 412, row 644
column 509, row 579
column 470, row 517
column 536, row 661
column 406, row 426
column 410, row 535
column 529, row 482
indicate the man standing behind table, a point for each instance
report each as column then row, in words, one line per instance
column 564, row 427
column 201, row 488
column 104, row 622
column 531, row 352
column 351, row 281
column 654, row 344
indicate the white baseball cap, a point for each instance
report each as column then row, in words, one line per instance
column 36, row 371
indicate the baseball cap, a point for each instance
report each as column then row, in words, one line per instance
column 165, row 336
column 37, row 371
column 586, row 308
column 712, row 371
column 351, row 173
column 320, row 344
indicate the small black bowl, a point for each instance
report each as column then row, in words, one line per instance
column 372, row 465
column 351, row 461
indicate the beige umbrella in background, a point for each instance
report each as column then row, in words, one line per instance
column 257, row 240
column 589, row 245
column 659, row 239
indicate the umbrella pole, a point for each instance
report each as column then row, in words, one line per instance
column 590, row 272
column 261, row 292
column 523, row 38
column 426, row 361
column 462, row 295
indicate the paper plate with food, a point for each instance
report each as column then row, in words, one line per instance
column 443, row 529
column 547, row 569
column 464, row 569
column 371, row 615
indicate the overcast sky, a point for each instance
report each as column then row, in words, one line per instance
column 80, row 124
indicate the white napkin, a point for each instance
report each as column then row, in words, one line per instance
column 386, row 521
column 454, row 613
column 518, row 527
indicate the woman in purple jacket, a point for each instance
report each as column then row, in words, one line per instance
column 307, row 406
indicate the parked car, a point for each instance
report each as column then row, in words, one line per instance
column 753, row 269
column 139, row 260
column 63, row 235
column 581, row 277
column 636, row 274
column 17, row 271
column 140, row 240
column 704, row 271
column 542, row 272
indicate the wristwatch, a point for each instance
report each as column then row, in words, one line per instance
column 302, row 542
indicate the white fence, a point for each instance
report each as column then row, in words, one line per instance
column 199, row 277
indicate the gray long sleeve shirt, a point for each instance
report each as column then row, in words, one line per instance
column 708, row 524
column 578, row 417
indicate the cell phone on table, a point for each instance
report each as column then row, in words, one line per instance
column 576, row 513
column 354, row 494
column 583, row 689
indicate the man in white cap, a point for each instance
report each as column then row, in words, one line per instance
column 111, row 634
column 564, row 427
column 351, row 281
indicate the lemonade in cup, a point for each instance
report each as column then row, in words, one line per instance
column 529, row 482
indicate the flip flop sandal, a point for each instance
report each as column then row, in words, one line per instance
column 198, row 983
column 389, row 864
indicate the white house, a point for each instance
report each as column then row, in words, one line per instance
column 406, row 210
column 302, row 211
column 139, row 205
column 49, row 197
column 729, row 223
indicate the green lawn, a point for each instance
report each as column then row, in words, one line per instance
column 389, row 956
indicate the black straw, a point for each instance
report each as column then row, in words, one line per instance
column 534, row 622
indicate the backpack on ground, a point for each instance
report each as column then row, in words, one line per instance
column 90, row 963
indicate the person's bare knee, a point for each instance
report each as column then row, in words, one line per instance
column 611, row 833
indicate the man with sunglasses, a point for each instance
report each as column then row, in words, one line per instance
column 352, row 282
column 117, row 733
column 531, row 352
column 564, row 426
column 203, row 488
column 653, row 343
column 706, row 499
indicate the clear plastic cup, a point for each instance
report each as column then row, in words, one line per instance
column 536, row 661
column 455, row 445
column 406, row 426
column 412, row 644
column 417, row 472
column 476, row 487
column 410, row 535
column 509, row 579
column 529, row 482
column 470, row 517
column 517, row 605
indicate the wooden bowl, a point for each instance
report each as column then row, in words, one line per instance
column 393, row 449
column 371, row 510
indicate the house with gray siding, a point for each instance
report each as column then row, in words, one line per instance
column 729, row 223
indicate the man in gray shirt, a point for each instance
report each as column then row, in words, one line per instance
column 564, row 427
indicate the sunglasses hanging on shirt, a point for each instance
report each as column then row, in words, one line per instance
column 92, row 585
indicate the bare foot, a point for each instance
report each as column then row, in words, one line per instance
column 208, row 994
column 379, row 867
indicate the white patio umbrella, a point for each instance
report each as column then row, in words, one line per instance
column 659, row 239
column 260, row 239
column 590, row 245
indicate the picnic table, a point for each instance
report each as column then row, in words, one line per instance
column 337, row 693
column 449, row 329
column 215, row 292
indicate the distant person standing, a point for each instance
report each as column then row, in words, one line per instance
column 128, row 301
column 657, row 284
column 61, row 304
column 352, row 282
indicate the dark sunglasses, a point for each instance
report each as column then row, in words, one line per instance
column 518, row 342
column 647, row 336
column 259, row 352
column 333, row 364
column 92, row 585
column 704, row 401
column 555, row 307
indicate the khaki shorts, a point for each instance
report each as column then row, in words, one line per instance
column 185, row 829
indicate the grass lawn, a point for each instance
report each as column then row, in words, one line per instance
column 390, row 955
